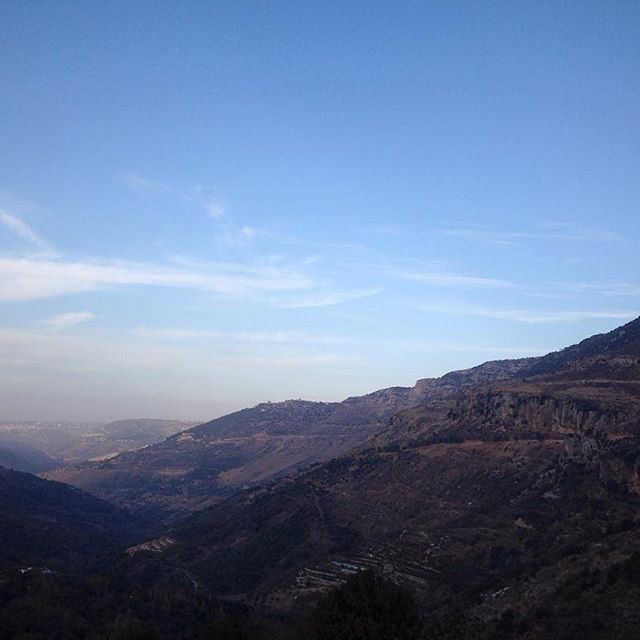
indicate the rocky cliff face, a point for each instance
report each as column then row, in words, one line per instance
column 517, row 411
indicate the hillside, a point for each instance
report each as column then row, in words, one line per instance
column 508, row 500
column 44, row 523
column 21, row 456
column 199, row 466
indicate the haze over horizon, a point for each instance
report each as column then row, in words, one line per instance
column 205, row 207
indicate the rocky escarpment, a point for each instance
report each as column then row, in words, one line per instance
column 597, row 422
column 525, row 412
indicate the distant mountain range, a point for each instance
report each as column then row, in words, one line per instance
column 44, row 445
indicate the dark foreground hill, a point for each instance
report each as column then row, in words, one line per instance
column 204, row 464
column 44, row 523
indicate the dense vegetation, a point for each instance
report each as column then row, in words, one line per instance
column 41, row 606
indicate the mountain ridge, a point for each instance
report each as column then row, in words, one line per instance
column 194, row 468
column 466, row 498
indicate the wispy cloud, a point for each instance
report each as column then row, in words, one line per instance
column 267, row 337
column 205, row 198
column 46, row 353
column 63, row 321
column 463, row 347
column 27, row 279
column 272, row 284
column 326, row 298
column 43, row 352
column 529, row 316
column 567, row 231
column 18, row 226
column 199, row 195
column 444, row 279
column 388, row 230
column 214, row 208
column 144, row 186
column 576, row 232
column 613, row 289
column 296, row 337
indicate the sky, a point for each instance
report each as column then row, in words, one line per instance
column 206, row 205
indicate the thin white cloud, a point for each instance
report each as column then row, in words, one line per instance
column 21, row 228
column 613, row 290
column 268, row 337
column 326, row 298
column 294, row 337
column 529, row 316
column 385, row 231
column 576, row 232
column 144, row 186
column 26, row 279
column 63, row 321
column 304, row 361
column 199, row 195
column 45, row 353
column 214, row 209
column 252, row 232
column 207, row 198
column 502, row 351
column 227, row 232
column 562, row 231
column 447, row 279
column 42, row 352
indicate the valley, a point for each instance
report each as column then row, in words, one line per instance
column 41, row 446
column 204, row 464
column 488, row 493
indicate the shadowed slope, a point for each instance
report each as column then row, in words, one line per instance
column 53, row 524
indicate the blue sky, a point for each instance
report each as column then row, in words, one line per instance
column 207, row 205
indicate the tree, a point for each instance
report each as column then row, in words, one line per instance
column 366, row 607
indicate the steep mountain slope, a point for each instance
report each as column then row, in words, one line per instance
column 498, row 498
column 199, row 466
column 53, row 524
